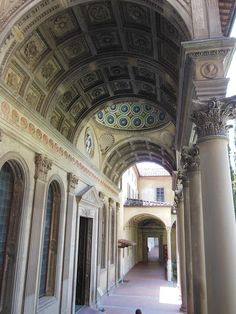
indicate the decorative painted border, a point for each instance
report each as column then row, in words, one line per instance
column 11, row 115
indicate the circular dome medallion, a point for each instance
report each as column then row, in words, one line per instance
column 162, row 116
column 137, row 108
column 113, row 107
column 124, row 108
column 110, row 119
column 100, row 115
column 150, row 120
column 137, row 122
column 123, row 122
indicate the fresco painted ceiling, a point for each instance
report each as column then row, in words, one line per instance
column 132, row 116
column 81, row 58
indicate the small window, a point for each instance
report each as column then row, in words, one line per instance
column 160, row 197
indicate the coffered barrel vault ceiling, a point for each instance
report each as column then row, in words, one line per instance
column 125, row 155
column 91, row 55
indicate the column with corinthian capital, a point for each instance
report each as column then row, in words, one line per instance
column 191, row 161
column 218, row 208
column 181, row 246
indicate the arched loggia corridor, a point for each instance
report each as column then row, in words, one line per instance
column 89, row 88
column 144, row 287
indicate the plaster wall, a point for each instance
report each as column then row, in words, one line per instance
column 147, row 188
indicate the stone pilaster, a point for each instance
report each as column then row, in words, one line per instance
column 42, row 166
column 218, row 208
column 179, row 201
column 191, row 162
column 67, row 293
column 182, row 175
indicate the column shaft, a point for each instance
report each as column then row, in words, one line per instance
column 169, row 263
column 198, row 252
column 219, row 225
column 188, row 249
column 182, row 258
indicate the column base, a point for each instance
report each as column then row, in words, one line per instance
column 183, row 309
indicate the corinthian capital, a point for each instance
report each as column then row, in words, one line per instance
column 42, row 166
column 190, row 158
column 72, row 181
column 211, row 119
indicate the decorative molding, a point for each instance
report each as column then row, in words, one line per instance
column 12, row 116
column 209, row 70
column 86, row 212
column 72, row 181
column 211, row 119
column 209, row 53
column 190, row 158
column 42, row 166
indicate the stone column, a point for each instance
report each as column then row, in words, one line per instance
column 116, row 244
column 191, row 160
column 161, row 248
column 181, row 246
column 42, row 166
column 69, row 246
column 188, row 249
column 109, row 243
column 169, row 262
column 218, row 208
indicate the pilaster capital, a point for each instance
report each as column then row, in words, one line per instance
column 190, row 158
column 102, row 196
column 117, row 206
column 42, row 166
column 72, row 181
column 183, row 178
column 111, row 203
column 211, row 118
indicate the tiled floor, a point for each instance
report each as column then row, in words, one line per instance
column 144, row 287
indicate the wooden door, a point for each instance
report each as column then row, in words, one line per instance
column 84, row 261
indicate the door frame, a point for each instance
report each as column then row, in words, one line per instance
column 88, row 205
